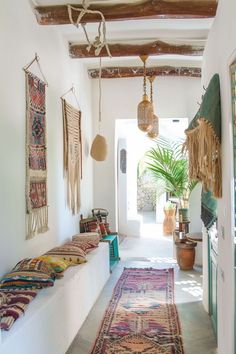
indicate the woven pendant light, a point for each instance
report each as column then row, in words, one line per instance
column 154, row 131
column 145, row 108
column 98, row 149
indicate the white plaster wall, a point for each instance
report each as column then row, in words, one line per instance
column 219, row 53
column 173, row 97
column 20, row 38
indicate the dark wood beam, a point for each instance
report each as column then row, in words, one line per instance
column 136, row 71
column 58, row 15
column 125, row 50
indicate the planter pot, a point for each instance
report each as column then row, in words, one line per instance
column 185, row 252
column 169, row 222
column 183, row 214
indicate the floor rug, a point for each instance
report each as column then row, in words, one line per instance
column 141, row 317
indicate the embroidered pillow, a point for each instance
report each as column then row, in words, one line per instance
column 71, row 254
column 58, row 264
column 84, row 245
column 88, row 236
column 16, row 303
column 29, row 273
column 89, row 225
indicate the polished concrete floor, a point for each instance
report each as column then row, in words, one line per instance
column 154, row 250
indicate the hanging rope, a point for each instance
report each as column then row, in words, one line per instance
column 100, row 40
column 100, row 96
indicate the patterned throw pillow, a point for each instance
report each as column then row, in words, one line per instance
column 71, row 254
column 15, row 305
column 59, row 265
column 84, row 245
column 89, row 225
column 29, row 274
column 93, row 237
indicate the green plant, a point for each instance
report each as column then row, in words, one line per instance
column 169, row 165
column 169, row 205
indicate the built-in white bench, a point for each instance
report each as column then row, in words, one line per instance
column 54, row 317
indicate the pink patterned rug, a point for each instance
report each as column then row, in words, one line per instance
column 141, row 316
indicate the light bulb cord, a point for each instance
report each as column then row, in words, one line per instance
column 151, row 92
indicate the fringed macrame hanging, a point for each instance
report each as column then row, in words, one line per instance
column 36, row 153
column 72, row 154
column 204, row 139
column 203, row 143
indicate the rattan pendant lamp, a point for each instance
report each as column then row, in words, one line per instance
column 98, row 149
column 145, row 107
column 154, row 131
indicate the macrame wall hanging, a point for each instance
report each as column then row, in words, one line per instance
column 203, row 144
column 72, row 152
column 36, row 156
column 99, row 146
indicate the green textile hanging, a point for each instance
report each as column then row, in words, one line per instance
column 203, row 144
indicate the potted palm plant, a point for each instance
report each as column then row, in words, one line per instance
column 169, row 166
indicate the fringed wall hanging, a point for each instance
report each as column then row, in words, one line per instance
column 204, row 148
column 36, row 154
column 72, row 153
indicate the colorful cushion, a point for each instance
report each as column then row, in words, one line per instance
column 16, row 304
column 88, row 236
column 90, row 225
column 58, row 264
column 84, row 245
column 29, row 273
column 71, row 254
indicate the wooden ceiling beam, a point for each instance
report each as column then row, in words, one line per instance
column 162, row 9
column 125, row 50
column 137, row 71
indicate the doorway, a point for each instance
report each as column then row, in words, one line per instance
column 139, row 212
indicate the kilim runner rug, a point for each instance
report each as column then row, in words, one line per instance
column 141, row 317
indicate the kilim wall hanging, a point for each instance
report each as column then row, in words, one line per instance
column 36, row 156
column 72, row 154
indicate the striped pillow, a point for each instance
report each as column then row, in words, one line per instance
column 29, row 274
column 71, row 254
column 15, row 306
column 84, row 245
column 93, row 237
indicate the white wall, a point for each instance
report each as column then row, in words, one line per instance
column 20, row 38
column 173, row 97
column 219, row 53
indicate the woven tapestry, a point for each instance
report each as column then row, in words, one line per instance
column 72, row 154
column 36, row 158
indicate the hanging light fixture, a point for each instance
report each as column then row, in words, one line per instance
column 145, row 107
column 99, row 146
column 154, row 131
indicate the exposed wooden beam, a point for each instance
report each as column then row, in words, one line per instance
column 124, row 50
column 163, row 9
column 135, row 71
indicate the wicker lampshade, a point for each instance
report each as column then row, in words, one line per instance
column 145, row 107
column 99, row 148
column 154, row 131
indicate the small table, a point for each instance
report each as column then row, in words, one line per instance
column 113, row 249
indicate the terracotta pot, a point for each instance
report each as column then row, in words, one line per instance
column 169, row 222
column 185, row 252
